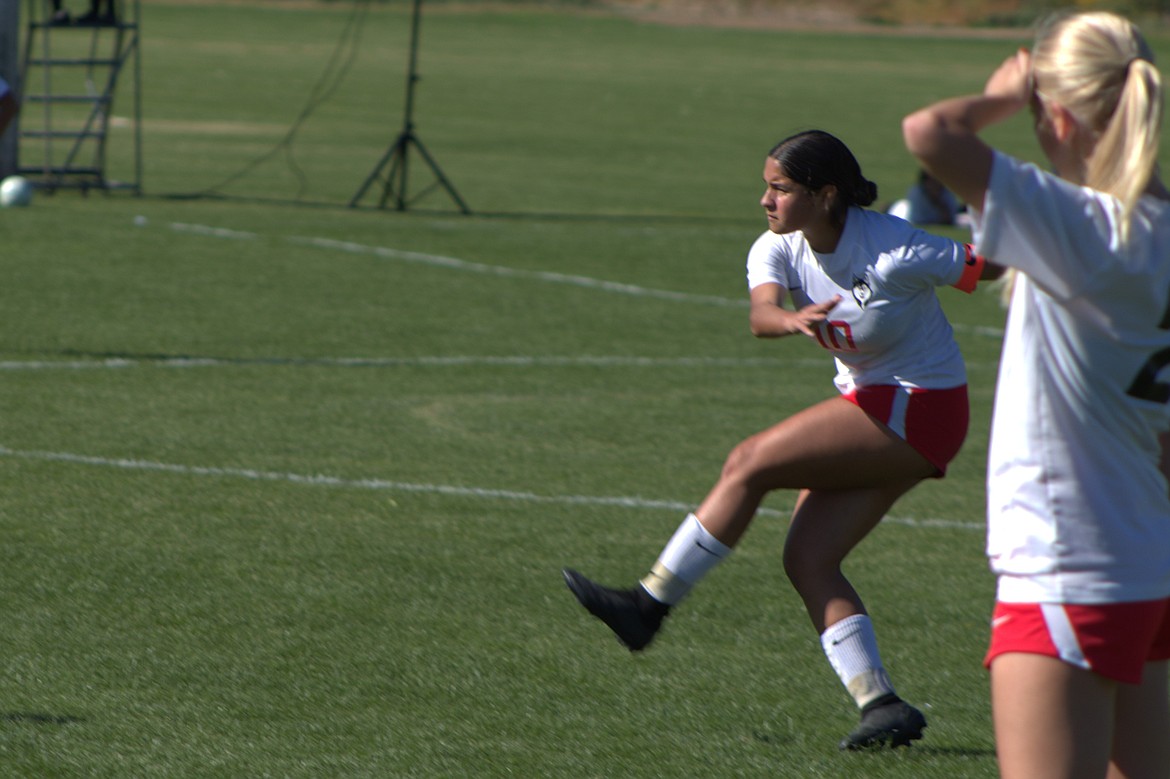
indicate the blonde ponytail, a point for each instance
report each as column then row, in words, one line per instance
column 1100, row 68
column 1126, row 155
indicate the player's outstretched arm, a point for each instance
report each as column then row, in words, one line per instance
column 769, row 318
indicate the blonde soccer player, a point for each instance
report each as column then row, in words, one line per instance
column 1078, row 503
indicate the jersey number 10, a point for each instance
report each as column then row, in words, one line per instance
column 832, row 328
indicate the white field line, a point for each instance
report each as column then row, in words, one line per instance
column 484, row 493
column 215, row 232
column 503, row 270
column 454, row 263
column 522, row 361
column 453, row 361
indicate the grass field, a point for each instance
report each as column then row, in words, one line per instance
column 286, row 486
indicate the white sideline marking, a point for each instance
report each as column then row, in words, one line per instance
column 455, row 361
column 439, row 261
column 217, row 232
column 503, row 270
column 433, row 361
column 399, row 486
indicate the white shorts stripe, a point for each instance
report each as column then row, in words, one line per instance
column 1060, row 629
column 897, row 420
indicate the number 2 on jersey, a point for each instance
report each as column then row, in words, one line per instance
column 1145, row 385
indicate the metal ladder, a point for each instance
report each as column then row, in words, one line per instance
column 70, row 75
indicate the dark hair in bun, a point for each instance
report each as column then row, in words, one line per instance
column 815, row 158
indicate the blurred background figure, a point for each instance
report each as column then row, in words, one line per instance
column 94, row 16
column 928, row 202
column 8, row 105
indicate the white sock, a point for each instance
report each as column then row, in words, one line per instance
column 691, row 552
column 851, row 647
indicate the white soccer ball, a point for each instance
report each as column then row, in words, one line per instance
column 15, row 191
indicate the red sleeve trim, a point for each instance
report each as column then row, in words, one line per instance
column 972, row 270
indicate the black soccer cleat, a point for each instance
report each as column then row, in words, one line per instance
column 887, row 721
column 633, row 615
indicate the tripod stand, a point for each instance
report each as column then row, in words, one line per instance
column 396, row 155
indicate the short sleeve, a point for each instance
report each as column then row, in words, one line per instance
column 1054, row 231
column 769, row 262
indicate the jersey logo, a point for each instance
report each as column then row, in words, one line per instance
column 861, row 291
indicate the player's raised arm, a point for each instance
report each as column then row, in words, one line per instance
column 944, row 136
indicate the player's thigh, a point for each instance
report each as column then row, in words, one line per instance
column 1052, row 719
column 832, row 445
column 1141, row 731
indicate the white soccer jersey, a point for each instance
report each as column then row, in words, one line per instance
column 1078, row 511
column 889, row 327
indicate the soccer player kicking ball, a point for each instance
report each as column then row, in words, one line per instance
column 860, row 284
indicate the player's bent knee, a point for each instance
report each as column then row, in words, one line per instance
column 740, row 465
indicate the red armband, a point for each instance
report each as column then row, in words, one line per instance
column 972, row 270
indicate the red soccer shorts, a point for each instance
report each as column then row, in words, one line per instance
column 933, row 421
column 1114, row 640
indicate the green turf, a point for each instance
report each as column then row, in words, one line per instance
column 286, row 487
